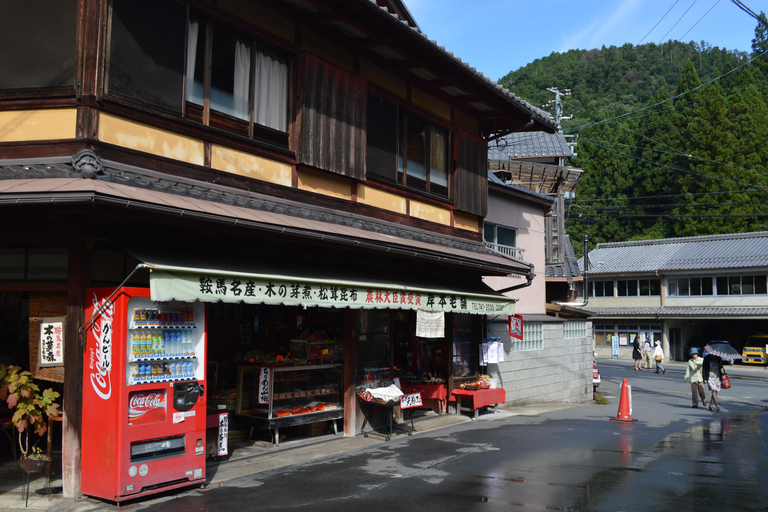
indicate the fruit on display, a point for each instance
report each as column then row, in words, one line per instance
column 482, row 382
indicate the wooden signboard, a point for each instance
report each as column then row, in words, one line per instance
column 408, row 401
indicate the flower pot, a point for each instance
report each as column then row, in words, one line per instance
column 33, row 465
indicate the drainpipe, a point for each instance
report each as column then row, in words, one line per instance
column 528, row 278
column 586, row 279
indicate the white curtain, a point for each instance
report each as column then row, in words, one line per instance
column 194, row 90
column 242, row 78
column 270, row 107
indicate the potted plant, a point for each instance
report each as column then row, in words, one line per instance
column 30, row 409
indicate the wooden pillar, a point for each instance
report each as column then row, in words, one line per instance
column 72, row 399
column 350, row 371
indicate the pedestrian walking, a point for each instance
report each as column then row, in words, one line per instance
column 712, row 374
column 637, row 355
column 693, row 374
column 658, row 356
column 648, row 352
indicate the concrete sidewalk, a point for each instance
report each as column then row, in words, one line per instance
column 246, row 458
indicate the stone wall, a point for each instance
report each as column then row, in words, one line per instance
column 559, row 372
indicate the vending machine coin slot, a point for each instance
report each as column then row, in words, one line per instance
column 185, row 395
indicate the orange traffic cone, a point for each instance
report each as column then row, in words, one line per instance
column 625, row 414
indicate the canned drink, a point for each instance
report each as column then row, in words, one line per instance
column 142, row 316
column 136, row 316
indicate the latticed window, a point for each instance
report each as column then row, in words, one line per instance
column 575, row 329
column 533, row 337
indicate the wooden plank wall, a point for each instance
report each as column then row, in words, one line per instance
column 332, row 119
column 471, row 186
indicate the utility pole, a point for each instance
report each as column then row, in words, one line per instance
column 559, row 117
column 558, row 105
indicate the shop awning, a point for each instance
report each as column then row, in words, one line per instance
column 189, row 284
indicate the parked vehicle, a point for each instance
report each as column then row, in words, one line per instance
column 755, row 350
column 595, row 374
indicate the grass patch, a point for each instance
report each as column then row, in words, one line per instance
column 600, row 399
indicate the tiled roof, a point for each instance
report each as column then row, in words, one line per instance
column 570, row 268
column 685, row 312
column 541, row 115
column 731, row 251
column 529, row 145
column 57, row 181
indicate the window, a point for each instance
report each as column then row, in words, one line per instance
column 638, row 288
column 575, row 329
column 34, row 264
column 601, row 289
column 721, row 285
column 232, row 82
column 500, row 235
column 38, row 43
column 533, row 337
column 235, row 63
column 147, row 52
column 742, row 285
column 405, row 149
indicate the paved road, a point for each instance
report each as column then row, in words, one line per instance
column 571, row 459
column 575, row 459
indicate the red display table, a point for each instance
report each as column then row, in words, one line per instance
column 479, row 398
column 435, row 393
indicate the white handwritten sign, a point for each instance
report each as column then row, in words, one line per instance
column 408, row 401
column 263, row 397
column 223, row 434
column 52, row 341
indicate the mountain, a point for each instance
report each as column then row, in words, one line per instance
column 673, row 138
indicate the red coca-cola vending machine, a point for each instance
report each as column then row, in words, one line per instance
column 144, row 407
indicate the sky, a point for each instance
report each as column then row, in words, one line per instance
column 499, row 36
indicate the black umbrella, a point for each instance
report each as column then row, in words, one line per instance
column 722, row 349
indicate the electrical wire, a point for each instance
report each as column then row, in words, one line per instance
column 678, row 21
column 694, row 25
column 657, row 23
column 672, row 98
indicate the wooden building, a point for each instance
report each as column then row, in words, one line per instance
column 321, row 139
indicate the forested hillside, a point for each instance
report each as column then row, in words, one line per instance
column 664, row 156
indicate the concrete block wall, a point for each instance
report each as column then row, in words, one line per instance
column 559, row 372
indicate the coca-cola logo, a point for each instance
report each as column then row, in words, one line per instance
column 146, row 402
column 101, row 378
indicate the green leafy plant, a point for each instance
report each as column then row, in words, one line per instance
column 30, row 407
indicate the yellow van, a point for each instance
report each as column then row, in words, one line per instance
column 754, row 350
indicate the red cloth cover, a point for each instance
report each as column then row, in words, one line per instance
column 481, row 397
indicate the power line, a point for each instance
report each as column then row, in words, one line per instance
column 678, row 21
column 672, row 98
column 694, row 25
column 657, row 23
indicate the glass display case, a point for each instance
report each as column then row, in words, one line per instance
column 165, row 341
column 273, row 397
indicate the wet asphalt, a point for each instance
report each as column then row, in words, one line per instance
column 569, row 457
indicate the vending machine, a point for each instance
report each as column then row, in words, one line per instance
column 144, row 407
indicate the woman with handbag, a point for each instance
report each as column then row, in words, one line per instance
column 713, row 373
column 658, row 356
column 637, row 354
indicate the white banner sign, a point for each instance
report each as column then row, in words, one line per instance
column 264, row 391
column 430, row 324
column 215, row 286
column 51, row 341
column 223, row 434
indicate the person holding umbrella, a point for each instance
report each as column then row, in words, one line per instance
column 712, row 373
column 693, row 373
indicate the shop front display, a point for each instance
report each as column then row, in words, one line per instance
column 275, row 397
